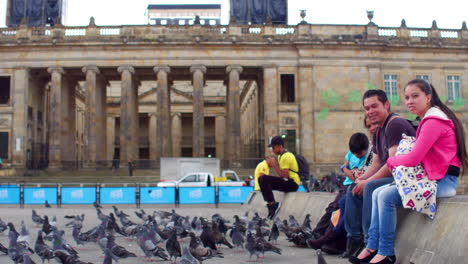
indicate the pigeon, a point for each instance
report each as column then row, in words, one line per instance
column 101, row 216
column 142, row 215
column 64, row 258
column 320, row 258
column 15, row 250
column 42, row 249
column 12, row 230
column 80, row 238
column 264, row 245
column 117, row 252
column 306, row 223
column 60, row 244
column 199, row 252
column 3, row 249
column 188, row 258
column 53, row 222
column 274, row 233
column 3, row 226
column 293, row 222
column 173, row 246
column 207, row 237
column 147, row 246
column 96, row 205
column 46, row 226
column 237, row 238
column 24, row 237
column 37, row 219
column 219, row 237
column 108, row 256
column 251, row 246
column 46, row 204
column 77, row 220
column 27, row 259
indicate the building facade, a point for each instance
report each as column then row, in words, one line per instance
column 81, row 96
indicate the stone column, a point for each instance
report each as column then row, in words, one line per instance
column 220, row 134
column 153, row 137
column 20, row 94
column 164, row 125
column 176, row 135
column 95, row 116
column 62, row 125
column 55, row 117
column 129, row 120
column 198, row 72
column 110, row 137
column 306, row 116
column 233, row 132
column 270, row 102
column 68, row 142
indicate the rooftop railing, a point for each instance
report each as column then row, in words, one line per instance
column 231, row 33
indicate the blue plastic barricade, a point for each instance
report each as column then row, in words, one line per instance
column 196, row 195
column 78, row 195
column 38, row 195
column 117, row 195
column 301, row 189
column 9, row 194
column 157, row 195
column 233, row 194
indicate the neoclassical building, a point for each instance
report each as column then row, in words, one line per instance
column 80, row 96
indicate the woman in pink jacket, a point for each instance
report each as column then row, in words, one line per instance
column 439, row 147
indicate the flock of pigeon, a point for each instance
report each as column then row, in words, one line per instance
column 158, row 235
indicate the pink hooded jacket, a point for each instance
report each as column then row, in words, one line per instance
column 435, row 147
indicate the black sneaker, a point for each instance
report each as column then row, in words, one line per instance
column 274, row 210
column 269, row 210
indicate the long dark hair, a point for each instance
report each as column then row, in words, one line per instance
column 427, row 88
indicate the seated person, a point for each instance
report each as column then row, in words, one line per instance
column 334, row 239
column 287, row 180
column 261, row 169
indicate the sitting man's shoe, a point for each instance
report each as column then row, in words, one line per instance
column 352, row 247
column 269, row 210
column 274, row 210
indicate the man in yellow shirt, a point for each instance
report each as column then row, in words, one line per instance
column 288, row 180
column 261, row 169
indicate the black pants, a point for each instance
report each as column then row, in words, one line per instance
column 269, row 183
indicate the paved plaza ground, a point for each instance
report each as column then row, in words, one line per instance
column 92, row 252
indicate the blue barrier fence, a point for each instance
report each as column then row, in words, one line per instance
column 20, row 194
column 78, row 195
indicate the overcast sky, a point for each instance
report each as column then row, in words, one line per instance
column 418, row 13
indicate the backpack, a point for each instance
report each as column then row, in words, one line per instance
column 304, row 170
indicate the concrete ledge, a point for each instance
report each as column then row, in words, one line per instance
column 442, row 240
column 419, row 240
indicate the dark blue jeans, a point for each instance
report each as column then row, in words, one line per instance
column 359, row 209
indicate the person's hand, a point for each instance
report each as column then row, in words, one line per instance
column 358, row 173
column 359, row 188
column 271, row 161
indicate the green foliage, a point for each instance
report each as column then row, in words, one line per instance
column 394, row 99
column 443, row 98
column 323, row 114
column 370, row 86
column 411, row 116
column 354, row 96
column 458, row 103
column 330, row 97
